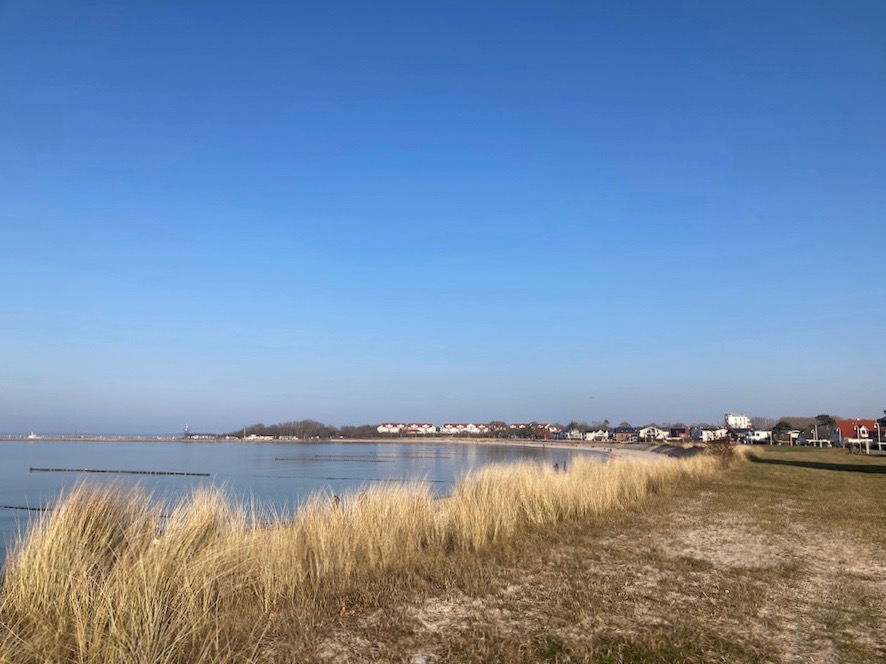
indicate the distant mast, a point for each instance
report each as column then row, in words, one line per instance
column 186, row 434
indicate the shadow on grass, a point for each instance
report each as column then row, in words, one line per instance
column 819, row 465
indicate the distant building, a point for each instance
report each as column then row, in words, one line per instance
column 451, row 428
column 855, row 432
column 815, row 434
column 464, row 429
column 421, row 429
column 651, row 433
column 547, row 431
column 708, row 434
column 680, row 433
column 735, row 421
column 740, row 435
column 760, row 436
column 392, row 428
column 625, row 434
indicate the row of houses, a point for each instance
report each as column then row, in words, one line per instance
column 735, row 427
column 652, row 434
column 545, row 430
column 411, row 429
column 851, row 432
column 856, row 432
column 738, row 428
column 548, row 431
column 536, row 429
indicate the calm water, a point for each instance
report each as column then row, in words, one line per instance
column 281, row 474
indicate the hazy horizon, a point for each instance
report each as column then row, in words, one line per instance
column 234, row 213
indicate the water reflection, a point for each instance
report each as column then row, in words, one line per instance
column 279, row 474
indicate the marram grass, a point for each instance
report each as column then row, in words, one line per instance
column 113, row 576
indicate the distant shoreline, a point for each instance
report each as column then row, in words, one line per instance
column 632, row 450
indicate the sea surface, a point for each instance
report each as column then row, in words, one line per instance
column 278, row 474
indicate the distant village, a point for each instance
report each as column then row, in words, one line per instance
column 820, row 431
column 824, row 431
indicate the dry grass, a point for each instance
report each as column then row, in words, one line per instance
column 107, row 578
column 775, row 561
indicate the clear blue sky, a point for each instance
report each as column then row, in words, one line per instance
column 232, row 212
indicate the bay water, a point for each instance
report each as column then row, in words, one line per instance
column 278, row 474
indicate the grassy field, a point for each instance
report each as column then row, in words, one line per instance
column 781, row 559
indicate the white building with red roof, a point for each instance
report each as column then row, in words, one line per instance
column 392, row 427
column 421, row 428
column 464, row 429
column 855, row 432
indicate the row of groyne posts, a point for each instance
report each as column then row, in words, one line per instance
column 95, row 470
column 118, row 472
column 336, row 499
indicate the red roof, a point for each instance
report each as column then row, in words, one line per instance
column 849, row 428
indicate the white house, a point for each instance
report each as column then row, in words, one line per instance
column 574, row 434
column 708, row 434
column 736, row 421
column 598, row 435
column 392, row 427
column 651, row 433
column 421, row 429
column 464, row 429
column 761, row 436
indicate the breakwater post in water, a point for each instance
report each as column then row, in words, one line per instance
column 120, row 472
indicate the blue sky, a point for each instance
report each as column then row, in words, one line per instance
column 226, row 213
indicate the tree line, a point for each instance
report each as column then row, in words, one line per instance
column 308, row 429
column 315, row 430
